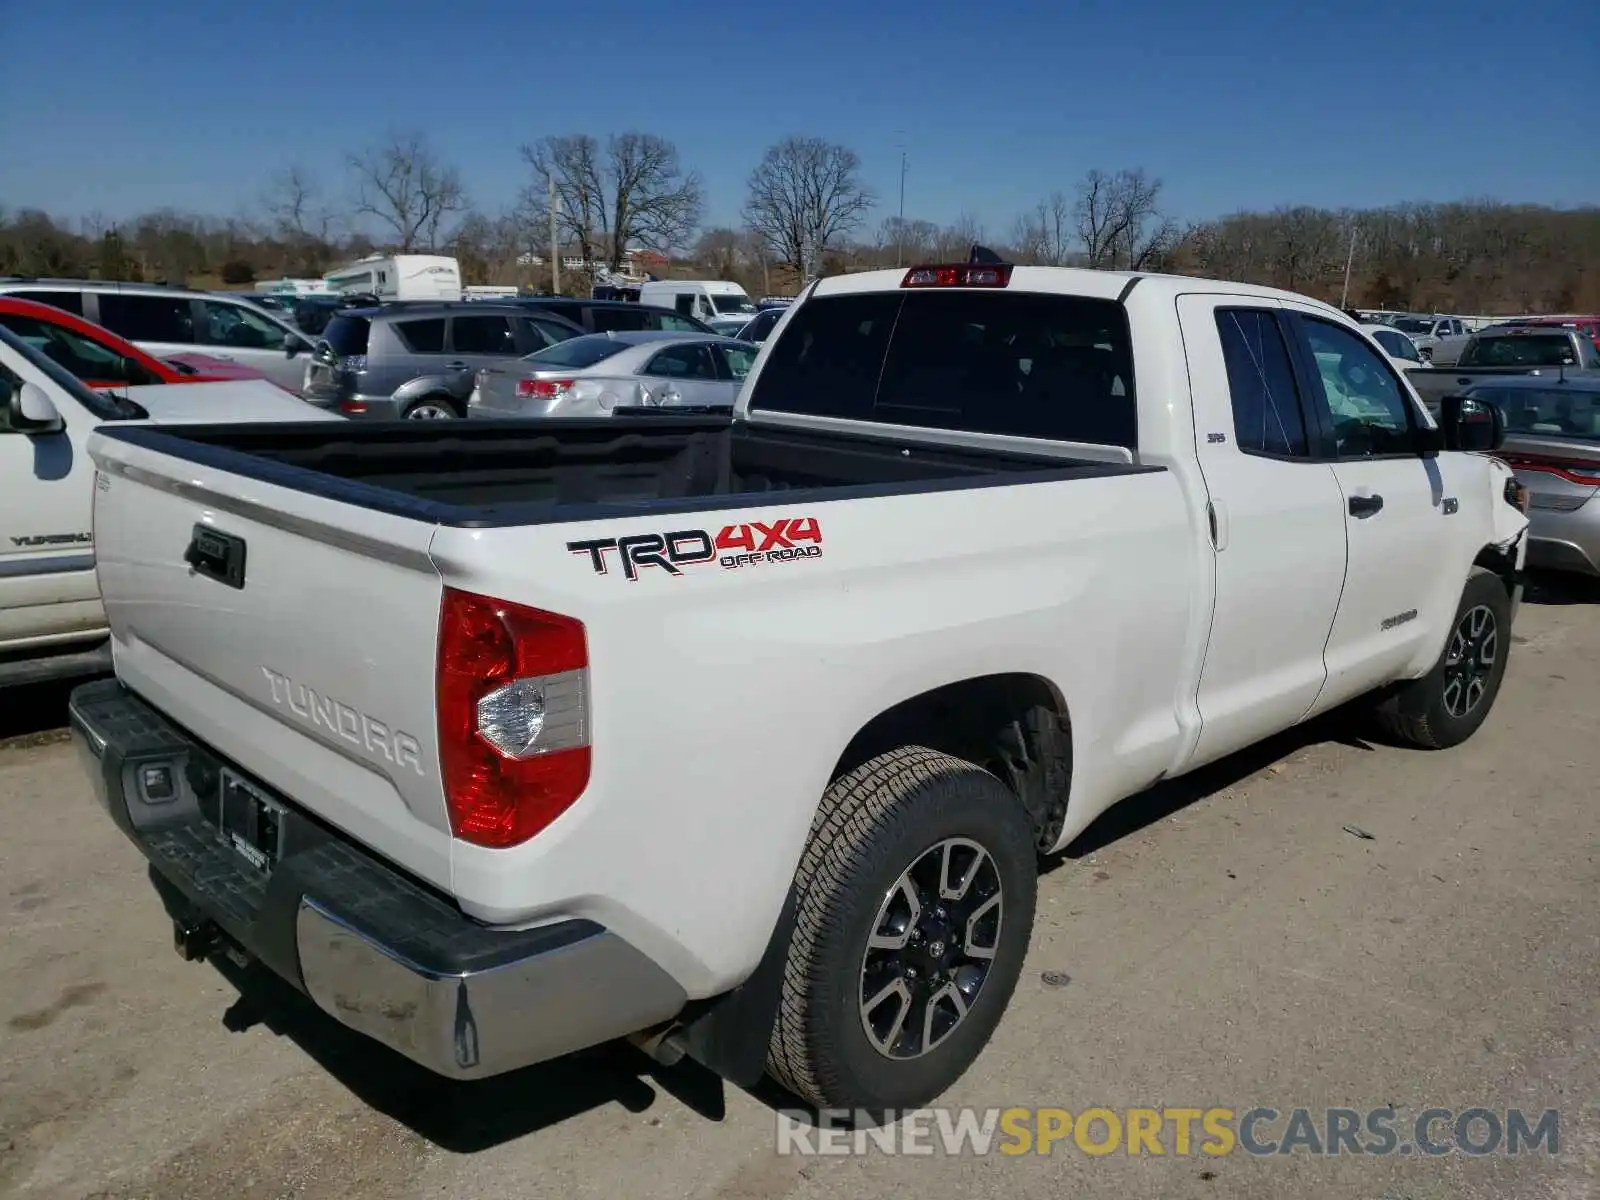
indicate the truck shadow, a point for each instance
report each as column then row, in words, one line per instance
column 1561, row 587
column 35, row 713
column 465, row 1117
column 1342, row 726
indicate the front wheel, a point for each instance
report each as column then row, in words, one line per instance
column 1448, row 704
column 915, row 900
column 430, row 409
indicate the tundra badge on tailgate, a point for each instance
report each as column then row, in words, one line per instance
column 734, row 546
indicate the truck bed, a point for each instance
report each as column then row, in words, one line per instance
column 485, row 474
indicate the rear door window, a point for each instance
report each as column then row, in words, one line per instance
column 423, row 337
column 489, row 333
column 620, row 319
column 1020, row 364
column 683, row 362
column 71, row 302
column 149, row 318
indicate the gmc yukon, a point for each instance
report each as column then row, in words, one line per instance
column 740, row 736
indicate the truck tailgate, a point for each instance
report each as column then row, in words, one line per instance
column 294, row 633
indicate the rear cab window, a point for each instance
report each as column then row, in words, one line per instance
column 1020, row 364
column 1521, row 350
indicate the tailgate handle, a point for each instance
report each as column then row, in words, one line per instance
column 216, row 555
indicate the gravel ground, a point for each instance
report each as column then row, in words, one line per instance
column 1226, row 941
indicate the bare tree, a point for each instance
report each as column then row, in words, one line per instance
column 721, row 250
column 653, row 201
column 1117, row 219
column 1044, row 236
column 804, row 196
column 955, row 241
column 572, row 161
column 405, row 186
column 634, row 192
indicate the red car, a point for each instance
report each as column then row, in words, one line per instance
column 99, row 357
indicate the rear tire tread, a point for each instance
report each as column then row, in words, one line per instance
column 854, row 811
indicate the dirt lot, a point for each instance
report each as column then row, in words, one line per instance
column 1227, row 942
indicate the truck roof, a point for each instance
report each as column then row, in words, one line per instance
column 1078, row 281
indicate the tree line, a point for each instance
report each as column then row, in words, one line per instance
column 807, row 211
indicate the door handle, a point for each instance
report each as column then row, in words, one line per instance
column 1365, row 506
column 455, row 366
column 1463, row 380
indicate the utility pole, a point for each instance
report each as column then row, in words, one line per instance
column 555, row 247
column 900, row 228
column 1350, row 259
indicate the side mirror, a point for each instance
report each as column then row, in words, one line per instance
column 1476, row 425
column 293, row 345
column 30, row 410
column 1427, row 441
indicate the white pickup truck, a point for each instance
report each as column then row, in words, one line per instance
column 51, row 622
column 740, row 737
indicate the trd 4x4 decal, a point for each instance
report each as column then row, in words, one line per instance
column 734, row 546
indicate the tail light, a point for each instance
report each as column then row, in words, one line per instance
column 542, row 389
column 353, row 406
column 1580, row 471
column 513, row 700
column 969, row 275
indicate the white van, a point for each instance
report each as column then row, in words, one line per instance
column 722, row 305
column 399, row 277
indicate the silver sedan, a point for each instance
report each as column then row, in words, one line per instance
column 592, row 375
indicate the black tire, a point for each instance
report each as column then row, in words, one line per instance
column 1438, row 710
column 445, row 406
column 875, row 824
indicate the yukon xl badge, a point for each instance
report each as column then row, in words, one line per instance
column 746, row 545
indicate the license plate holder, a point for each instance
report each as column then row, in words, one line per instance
column 249, row 821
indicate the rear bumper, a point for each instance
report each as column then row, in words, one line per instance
column 375, row 950
column 1565, row 541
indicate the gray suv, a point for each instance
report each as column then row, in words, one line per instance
column 417, row 360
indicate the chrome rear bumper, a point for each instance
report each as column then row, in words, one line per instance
column 379, row 952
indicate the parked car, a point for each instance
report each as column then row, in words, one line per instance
column 1543, row 350
column 417, row 361
column 592, row 375
column 742, row 737
column 1402, row 351
column 615, row 316
column 164, row 321
column 99, row 357
column 51, row 622
column 1553, row 443
column 760, row 326
column 1438, row 339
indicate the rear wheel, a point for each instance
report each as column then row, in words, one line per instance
column 1446, row 706
column 915, row 900
column 430, row 408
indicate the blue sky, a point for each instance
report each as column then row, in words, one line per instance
column 121, row 108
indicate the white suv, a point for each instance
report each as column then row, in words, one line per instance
column 167, row 320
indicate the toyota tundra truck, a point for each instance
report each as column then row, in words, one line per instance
column 742, row 736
